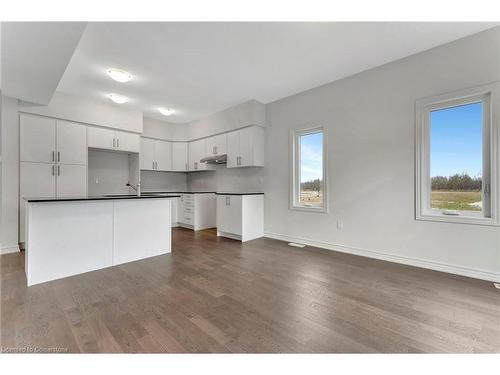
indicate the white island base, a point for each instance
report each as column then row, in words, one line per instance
column 65, row 238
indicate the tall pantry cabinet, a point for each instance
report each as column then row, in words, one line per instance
column 53, row 160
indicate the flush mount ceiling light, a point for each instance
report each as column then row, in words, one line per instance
column 119, row 75
column 118, row 98
column 166, row 111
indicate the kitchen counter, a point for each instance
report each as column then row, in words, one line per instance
column 69, row 236
column 100, row 198
column 203, row 192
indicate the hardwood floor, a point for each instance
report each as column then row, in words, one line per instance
column 217, row 295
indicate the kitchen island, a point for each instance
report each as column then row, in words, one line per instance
column 69, row 236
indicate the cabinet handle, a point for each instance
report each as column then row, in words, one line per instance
column 153, row 164
column 53, row 156
column 195, row 165
column 114, row 142
column 228, row 200
column 186, row 166
column 53, row 170
column 58, row 156
column 215, row 150
column 58, row 170
column 118, row 142
column 156, row 165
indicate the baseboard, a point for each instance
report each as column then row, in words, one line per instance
column 9, row 249
column 436, row 266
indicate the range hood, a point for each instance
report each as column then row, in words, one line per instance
column 216, row 159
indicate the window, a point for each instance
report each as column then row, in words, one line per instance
column 455, row 155
column 309, row 170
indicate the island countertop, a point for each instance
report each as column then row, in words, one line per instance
column 99, row 198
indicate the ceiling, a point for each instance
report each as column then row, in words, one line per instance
column 201, row 68
column 34, row 56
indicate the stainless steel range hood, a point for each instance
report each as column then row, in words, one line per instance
column 216, row 159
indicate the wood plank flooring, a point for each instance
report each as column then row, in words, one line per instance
column 215, row 295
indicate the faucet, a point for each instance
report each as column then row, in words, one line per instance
column 137, row 188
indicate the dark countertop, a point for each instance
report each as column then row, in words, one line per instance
column 99, row 198
column 203, row 192
column 254, row 193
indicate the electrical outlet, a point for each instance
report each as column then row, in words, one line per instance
column 340, row 224
column 96, row 180
column 496, row 285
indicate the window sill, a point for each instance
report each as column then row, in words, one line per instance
column 458, row 219
column 320, row 210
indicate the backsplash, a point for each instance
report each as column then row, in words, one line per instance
column 228, row 179
column 163, row 181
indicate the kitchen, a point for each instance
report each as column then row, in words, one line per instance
column 65, row 161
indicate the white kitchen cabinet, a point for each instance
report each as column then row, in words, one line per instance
column 197, row 211
column 156, row 155
column 71, row 143
column 180, row 156
column 35, row 180
column 174, row 207
column 216, row 145
column 147, row 154
column 163, row 155
column 240, row 217
column 197, row 151
column 102, row 138
column 245, row 147
column 37, row 138
column 127, row 142
column 71, row 180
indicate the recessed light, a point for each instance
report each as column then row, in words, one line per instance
column 119, row 75
column 166, row 111
column 119, row 99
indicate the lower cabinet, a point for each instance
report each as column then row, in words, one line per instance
column 197, row 211
column 240, row 217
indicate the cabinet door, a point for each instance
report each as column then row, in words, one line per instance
column 179, row 156
column 163, row 155
column 233, row 149
column 71, row 143
column 35, row 180
column 127, row 141
column 37, row 139
column 216, row 145
column 71, row 180
column 246, row 147
column 147, row 154
column 100, row 138
column 197, row 151
column 229, row 214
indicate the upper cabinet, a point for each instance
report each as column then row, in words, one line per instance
column 245, row 147
column 37, row 139
column 197, row 151
column 156, row 155
column 180, row 156
column 46, row 140
column 216, row 145
column 116, row 140
column 71, row 143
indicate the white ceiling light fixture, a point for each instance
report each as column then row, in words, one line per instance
column 118, row 99
column 166, row 111
column 119, row 75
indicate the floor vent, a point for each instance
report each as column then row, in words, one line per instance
column 296, row 244
column 496, row 285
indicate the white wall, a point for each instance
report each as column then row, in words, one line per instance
column 89, row 111
column 10, row 175
column 370, row 122
column 165, row 130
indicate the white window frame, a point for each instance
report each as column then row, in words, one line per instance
column 295, row 170
column 488, row 95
